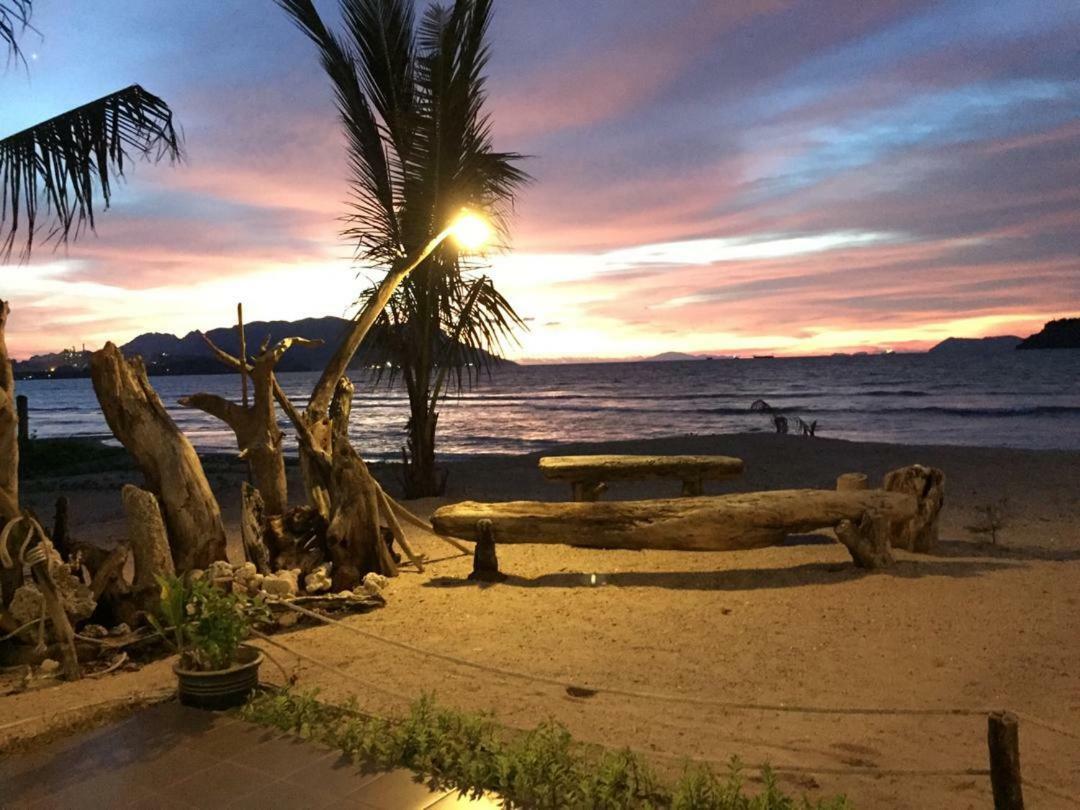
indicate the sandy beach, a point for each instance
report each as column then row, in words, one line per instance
column 703, row 638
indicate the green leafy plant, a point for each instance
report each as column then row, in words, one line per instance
column 542, row 768
column 203, row 623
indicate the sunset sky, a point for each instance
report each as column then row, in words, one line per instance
column 725, row 177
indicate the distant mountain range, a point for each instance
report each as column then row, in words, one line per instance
column 672, row 357
column 164, row 353
column 1063, row 333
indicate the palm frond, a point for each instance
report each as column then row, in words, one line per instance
column 14, row 19
column 373, row 201
column 67, row 161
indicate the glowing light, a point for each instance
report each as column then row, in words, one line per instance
column 470, row 231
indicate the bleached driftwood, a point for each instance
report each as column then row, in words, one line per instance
column 10, row 579
column 163, row 454
column 354, row 540
column 255, row 425
column 147, row 537
column 588, row 474
column 712, row 523
column 253, row 528
column 866, row 521
column 927, row 484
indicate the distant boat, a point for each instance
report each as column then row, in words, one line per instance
column 764, row 356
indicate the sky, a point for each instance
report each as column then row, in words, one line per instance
column 754, row 176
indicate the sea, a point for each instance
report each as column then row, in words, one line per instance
column 1008, row 399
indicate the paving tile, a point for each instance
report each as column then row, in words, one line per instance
column 218, row 785
column 280, row 757
column 105, row 790
column 336, row 774
column 283, row 796
column 159, row 801
column 398, row 790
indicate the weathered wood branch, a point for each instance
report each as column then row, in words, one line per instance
column 163, row 454
column 147, row 537
column 253, row 528
column 9, row 429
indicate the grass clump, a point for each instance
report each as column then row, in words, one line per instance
column 542, row 768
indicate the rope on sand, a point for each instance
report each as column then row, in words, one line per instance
column 660, row 696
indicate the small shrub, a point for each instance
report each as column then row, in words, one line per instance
column 205, row 624
column 993, row 517
column 542, row 768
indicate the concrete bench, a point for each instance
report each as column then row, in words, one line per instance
column 869, row 522
column 588, row 475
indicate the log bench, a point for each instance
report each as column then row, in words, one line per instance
column 588, row 475
column 869, row 522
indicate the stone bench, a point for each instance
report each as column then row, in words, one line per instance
column 588, row 475
column 869, row 522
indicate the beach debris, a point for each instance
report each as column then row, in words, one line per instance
column 94, row 631
column 282, row 583
column 374, row 583
column 120, row 630
column 287, row 619
column 27, row 604
column 50, row 666
column 318, row 580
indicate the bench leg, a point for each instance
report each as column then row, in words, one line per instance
column 588, row 490
column 692, row 487
column 485, row 563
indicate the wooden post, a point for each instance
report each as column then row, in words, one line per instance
column 61, row 527
column 692, row 487
column 243, row 355
column 485, row 563
column 22, row 409
column 1003, row 737
column 852, row 482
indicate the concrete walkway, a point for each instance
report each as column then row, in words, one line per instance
column 169, row 756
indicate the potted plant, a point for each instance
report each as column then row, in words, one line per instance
column 207, row 627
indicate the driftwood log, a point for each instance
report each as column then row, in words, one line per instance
column 711, row 523
column 866, row 521
column 255, row 425
column 163, row 454
column 588, row 475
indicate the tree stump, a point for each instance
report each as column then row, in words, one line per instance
column 353, row 538
column 253, row 528
column 163, row 454
column 868, row 540
column 147, row 537
column 920, row 532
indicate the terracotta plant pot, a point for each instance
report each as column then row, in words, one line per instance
column 223, row 688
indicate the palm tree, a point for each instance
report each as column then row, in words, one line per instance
column 412, row 95
column 67, row 161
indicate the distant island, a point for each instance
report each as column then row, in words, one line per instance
column 969, row 346
column 672, row 357
column 1063, row 333
column 165, row 353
